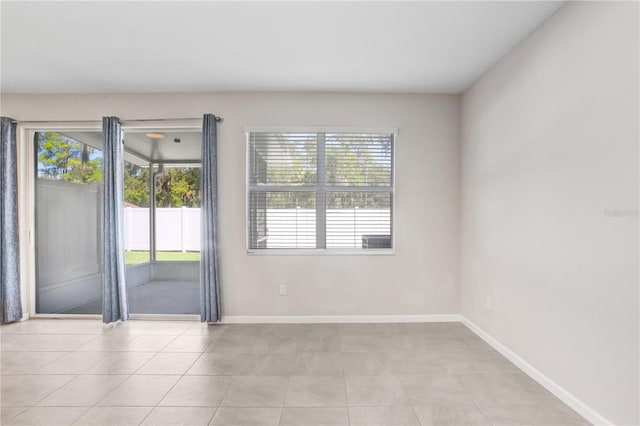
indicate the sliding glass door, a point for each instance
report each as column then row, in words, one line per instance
column 68, row 185
column 162, row 221
column 161, row 217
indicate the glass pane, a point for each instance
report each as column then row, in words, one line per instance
column 282, row 220
column 166, row 280
column 359, row 220
column 136, row 214
column 178, row 213
column 68, row 238
column 283, row 159
column 359, row 159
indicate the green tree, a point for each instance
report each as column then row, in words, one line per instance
column 64, row 158
column 365, row 163
column 178, row 186
column 364, row 160
column 136, row 185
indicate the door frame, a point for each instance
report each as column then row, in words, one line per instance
column 26, row 158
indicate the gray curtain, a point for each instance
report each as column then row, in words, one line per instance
column 10, row 302
column 209, row 281
column 114, row 289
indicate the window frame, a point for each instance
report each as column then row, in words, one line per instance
column 320, row 224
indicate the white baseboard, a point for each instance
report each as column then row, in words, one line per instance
column 325, row 319
column 565, row 396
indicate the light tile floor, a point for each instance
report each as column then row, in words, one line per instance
column 80, row 372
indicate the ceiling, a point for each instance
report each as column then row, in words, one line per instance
column 180, row 46
column 141, row 149
column 165, row 149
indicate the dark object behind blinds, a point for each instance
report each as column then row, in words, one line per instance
column 376, row 241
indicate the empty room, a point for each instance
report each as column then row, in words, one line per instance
column 319, row 213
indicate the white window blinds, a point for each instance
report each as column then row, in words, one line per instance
column 320, row 190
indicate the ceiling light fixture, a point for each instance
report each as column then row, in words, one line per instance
column 155, row 135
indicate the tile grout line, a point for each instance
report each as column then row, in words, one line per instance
column 170, row 389
column 484, row 416
column 95, row 405
column 284, row 400
column 346, row 394
column 217, row 409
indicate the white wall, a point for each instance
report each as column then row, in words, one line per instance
column 550, row 204
column 421, row 278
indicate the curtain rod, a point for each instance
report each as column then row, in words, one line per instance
column 137, row 120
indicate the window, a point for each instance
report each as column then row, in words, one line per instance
column 320, row 190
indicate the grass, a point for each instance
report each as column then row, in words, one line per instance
column 135, row 257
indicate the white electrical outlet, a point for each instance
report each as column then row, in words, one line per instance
column 283, row 289
column 489, row 304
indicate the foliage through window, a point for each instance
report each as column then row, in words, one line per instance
column 178, row 186
column 320, row 190
column 136, row 185
column 64, row 158
column 177, row 213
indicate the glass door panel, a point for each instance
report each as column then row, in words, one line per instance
column 162, row 217
column 68, row 240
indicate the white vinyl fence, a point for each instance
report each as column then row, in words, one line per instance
column 178, row 229
column 296, row 228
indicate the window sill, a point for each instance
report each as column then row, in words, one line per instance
column 321, row 252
